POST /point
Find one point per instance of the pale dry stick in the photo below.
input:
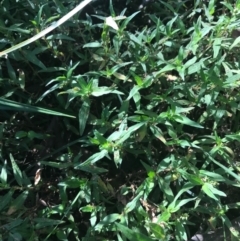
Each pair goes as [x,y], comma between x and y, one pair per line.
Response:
[47,30]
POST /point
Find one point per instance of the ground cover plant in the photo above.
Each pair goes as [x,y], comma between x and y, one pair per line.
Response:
[120,124]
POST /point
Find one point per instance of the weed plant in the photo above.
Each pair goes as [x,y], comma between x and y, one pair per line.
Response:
[120,124]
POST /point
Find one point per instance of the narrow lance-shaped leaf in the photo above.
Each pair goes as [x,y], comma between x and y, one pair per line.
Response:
[126,134]
[235,43]
[185,188]
[99,91]
[6,104]
[13,224]
[5,200]
[11,71]
[3,175]
[208,191]
[186,121]
[181,232]
[226,169]
[83,115]
[141,133]
[16,171]
[107,220]
[157,133]
[21,78]
[131,205]
[111,22]
[45,222]
[94,158]
[18,203]
[131,235]
[157,230]
[211,191]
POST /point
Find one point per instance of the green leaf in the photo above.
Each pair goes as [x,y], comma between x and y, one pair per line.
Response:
[137,79]
[157,132]
[133,91]
[216,47]
[164,185]
[83,115]
[60,36]
[131,235]
[141,133]
[111,22]
[181,232]
[12,224]
[235,43]
[147,167]
[99,91]
[101,140]
[92,45]
[176,205]
[166,215]
[117,157]
[107,220]
[118,66]
[226,169]
[234,231]
[131,205]
[91,169]
[73,182]
[6,104]
[17,204]
[16,171]
[190,62]
[183,110]
[32,135]
[127,133]
[6,199]
[88,208]
[31,57]
[3,175]
[211,191]
[186,121]
[71,69]
[21,79]
[94,158]
[15,28]
[215,176]
[193,178]
[57,164]
[11,71]
[127,20]
[165,69]
[187,186]
[46,222]
[157,230]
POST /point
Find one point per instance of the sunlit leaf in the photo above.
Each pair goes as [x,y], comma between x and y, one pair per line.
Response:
[186,121]
[4,174]
[111,22]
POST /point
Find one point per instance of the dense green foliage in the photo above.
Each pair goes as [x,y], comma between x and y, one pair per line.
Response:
[121,128]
